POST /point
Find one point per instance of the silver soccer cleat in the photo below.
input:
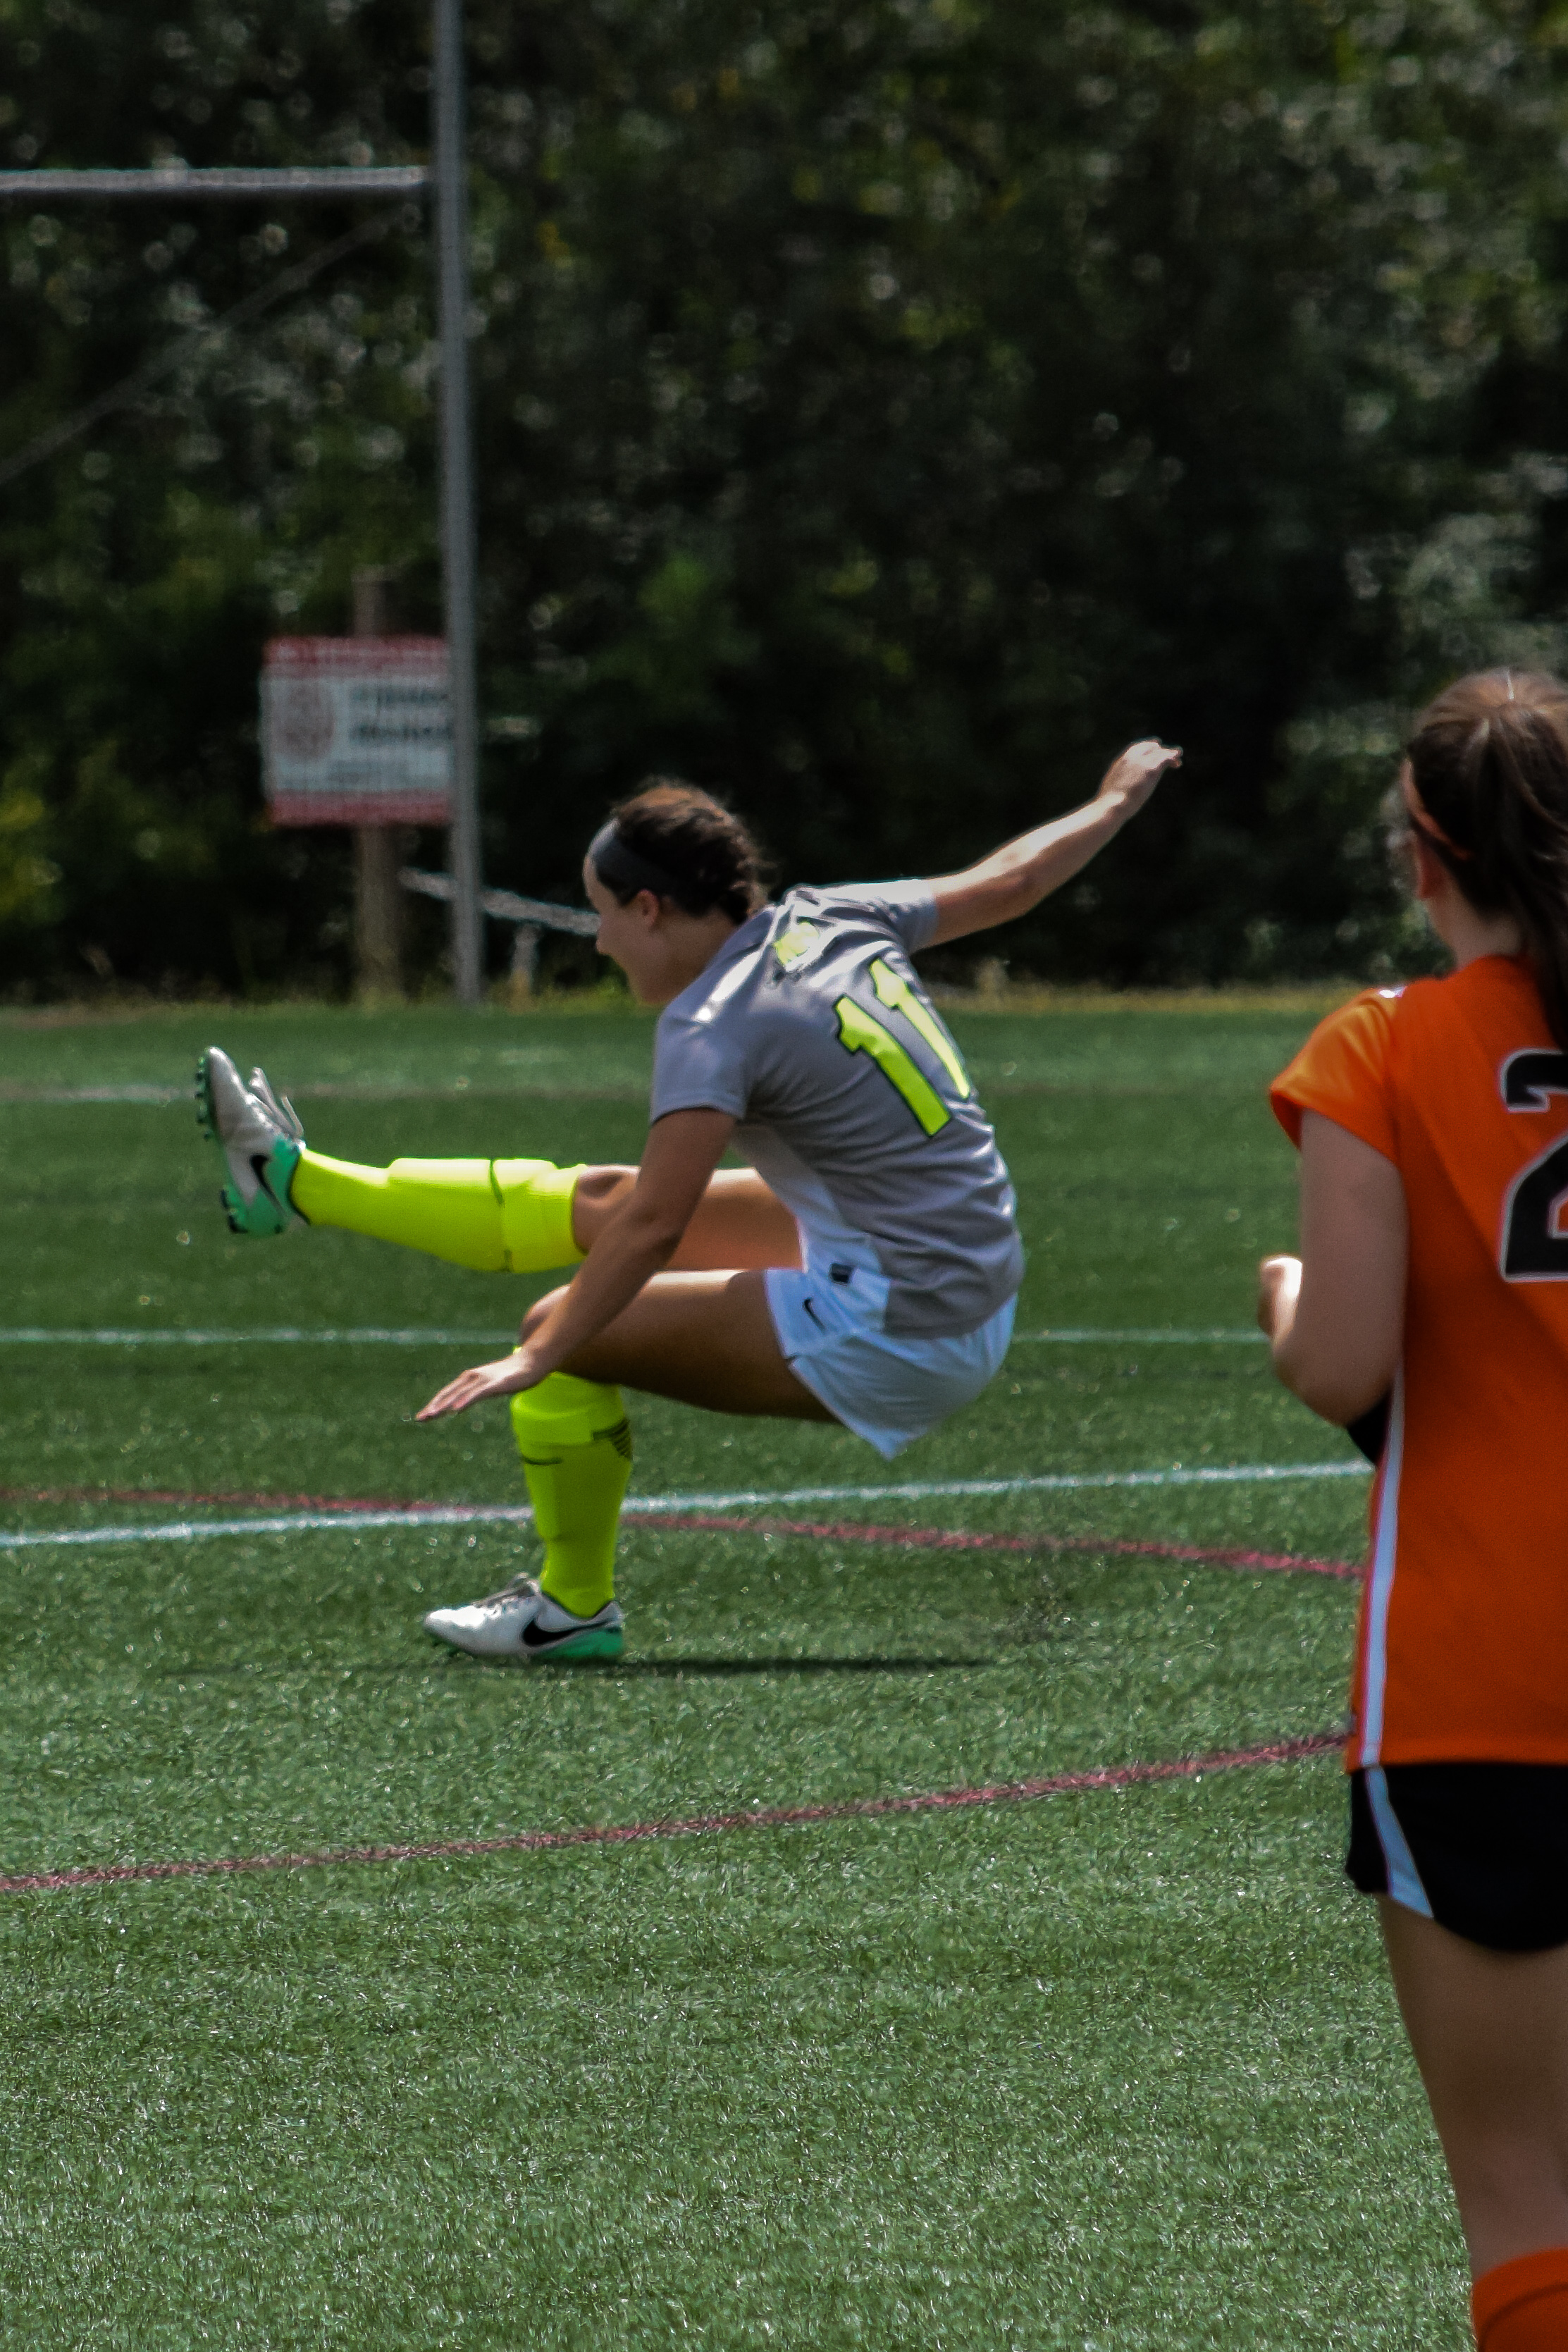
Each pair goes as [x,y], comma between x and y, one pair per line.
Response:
[525,1625]
[261,1140]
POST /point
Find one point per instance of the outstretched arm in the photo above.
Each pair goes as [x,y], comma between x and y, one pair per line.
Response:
[1019,875]
[638,1240]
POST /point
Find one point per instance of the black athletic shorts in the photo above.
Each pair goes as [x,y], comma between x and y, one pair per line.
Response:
[1481,1848]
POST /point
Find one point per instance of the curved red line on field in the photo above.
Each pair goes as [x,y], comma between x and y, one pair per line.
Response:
[770,1817]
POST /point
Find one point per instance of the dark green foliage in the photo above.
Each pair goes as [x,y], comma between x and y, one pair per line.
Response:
[884,412]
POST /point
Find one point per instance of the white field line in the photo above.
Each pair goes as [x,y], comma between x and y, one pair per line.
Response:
[284,1336]
[498,1084]
[468,1515]
[420,1336]
[130,1090]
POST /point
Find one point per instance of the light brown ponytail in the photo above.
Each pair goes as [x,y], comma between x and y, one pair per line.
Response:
[1489,760]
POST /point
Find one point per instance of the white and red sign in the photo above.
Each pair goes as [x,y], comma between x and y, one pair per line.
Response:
[355,730]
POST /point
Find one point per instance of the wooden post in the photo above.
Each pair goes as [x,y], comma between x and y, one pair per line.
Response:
[524,966]
[378,896]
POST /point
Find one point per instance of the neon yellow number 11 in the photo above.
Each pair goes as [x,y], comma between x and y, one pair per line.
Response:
[899,997]
[860,1031]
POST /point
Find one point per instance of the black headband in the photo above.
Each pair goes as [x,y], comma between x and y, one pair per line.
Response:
[620,868]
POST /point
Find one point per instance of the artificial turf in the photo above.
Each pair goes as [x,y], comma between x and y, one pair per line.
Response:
[1112,2070]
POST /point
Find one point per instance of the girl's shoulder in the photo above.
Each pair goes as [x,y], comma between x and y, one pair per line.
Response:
[1342,1071]
[1442,1038]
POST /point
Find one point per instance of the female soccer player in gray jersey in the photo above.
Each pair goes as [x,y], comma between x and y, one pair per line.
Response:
[862,1271]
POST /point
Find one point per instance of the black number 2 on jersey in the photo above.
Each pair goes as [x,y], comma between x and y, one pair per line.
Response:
[1532,1248]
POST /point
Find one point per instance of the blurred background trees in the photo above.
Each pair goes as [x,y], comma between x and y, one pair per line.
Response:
[885,409]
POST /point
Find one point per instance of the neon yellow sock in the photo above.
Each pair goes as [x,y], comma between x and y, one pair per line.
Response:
[496,1216]
[576,1445]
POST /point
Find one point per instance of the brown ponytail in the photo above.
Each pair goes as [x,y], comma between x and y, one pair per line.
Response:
[681,844]
[1489,760]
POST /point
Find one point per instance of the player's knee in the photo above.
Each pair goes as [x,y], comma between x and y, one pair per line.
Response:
[538,1312]
[602,1185]
[597,1193]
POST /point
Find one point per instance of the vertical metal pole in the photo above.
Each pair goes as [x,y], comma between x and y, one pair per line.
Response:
[457,534]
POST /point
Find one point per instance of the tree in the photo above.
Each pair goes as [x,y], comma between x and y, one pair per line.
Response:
[882,413]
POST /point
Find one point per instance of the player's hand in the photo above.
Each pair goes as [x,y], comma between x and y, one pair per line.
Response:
[517,1371]
[1279,1287]
[1129,780]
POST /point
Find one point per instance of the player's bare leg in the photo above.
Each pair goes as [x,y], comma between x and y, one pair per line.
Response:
[1489,2030]
[496,1216]
[704,1339]
[738,1223]
[699,1338]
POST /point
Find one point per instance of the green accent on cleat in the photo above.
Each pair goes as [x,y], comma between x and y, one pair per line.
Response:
[600,1642]
[267,1210]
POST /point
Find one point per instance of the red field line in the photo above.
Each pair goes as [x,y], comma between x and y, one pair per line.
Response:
[771,1817]
[945,1540]
[833,1531]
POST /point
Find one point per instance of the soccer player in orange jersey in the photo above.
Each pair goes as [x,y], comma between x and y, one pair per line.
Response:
[1433,1126]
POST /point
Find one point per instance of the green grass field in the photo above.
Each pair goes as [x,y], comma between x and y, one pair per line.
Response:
[1102,2071]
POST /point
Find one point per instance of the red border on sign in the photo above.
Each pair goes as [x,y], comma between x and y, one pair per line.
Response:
[360,808]
[352,657]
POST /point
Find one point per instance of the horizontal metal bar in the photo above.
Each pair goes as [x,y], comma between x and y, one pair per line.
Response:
[225,179]
[505,905]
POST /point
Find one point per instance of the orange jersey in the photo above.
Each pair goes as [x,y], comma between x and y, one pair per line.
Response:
[1463,1655]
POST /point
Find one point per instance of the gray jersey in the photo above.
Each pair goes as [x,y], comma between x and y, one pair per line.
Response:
[810,1028]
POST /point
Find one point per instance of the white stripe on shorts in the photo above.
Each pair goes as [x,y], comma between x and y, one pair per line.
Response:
[1404,1878]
